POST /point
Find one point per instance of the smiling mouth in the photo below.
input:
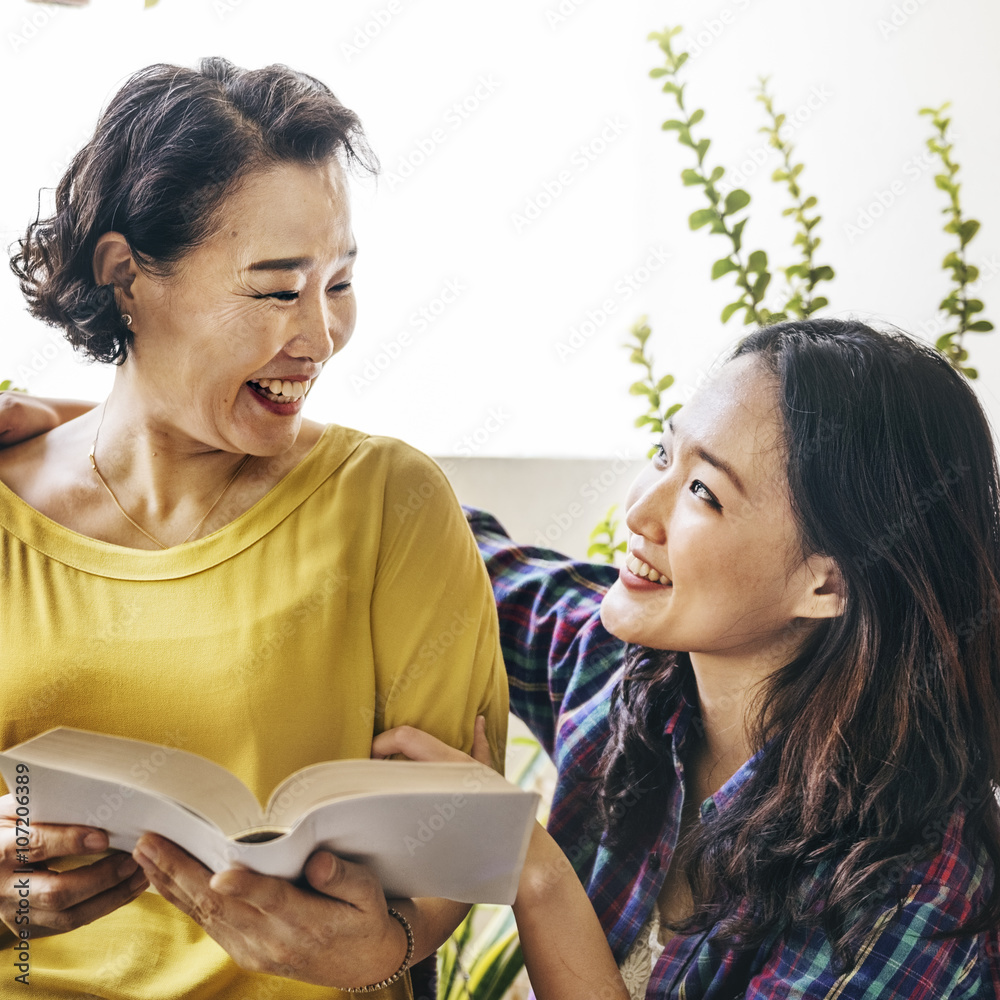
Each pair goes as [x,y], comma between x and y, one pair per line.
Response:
[645,571]
[280,391]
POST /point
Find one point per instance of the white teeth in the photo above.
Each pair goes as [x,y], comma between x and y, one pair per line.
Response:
[282,389]
[644,570]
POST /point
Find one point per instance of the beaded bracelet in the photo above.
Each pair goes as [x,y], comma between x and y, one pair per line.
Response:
[400,972]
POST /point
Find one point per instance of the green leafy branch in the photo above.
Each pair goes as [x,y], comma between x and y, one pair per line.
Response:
[751,275]
[956,304]
[804,276]
[649,385]
[602,539]
[7,384]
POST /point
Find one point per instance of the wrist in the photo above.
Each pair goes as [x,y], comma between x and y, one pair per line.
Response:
[404,959]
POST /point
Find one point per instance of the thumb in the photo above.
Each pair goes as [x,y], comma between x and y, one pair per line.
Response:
[481,745]
[340,879]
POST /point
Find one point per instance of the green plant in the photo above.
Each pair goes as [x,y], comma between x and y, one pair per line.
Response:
[956,305]
[649,385]
[804,276]
[602,539]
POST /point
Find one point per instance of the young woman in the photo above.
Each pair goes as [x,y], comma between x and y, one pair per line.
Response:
[783,783]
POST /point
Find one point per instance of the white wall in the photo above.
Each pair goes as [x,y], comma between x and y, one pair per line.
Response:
[485,378]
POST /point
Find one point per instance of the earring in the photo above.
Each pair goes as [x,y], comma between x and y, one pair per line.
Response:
[127,319]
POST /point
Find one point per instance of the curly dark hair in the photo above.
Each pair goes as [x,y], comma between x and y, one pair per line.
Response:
[165,154]
[887,722]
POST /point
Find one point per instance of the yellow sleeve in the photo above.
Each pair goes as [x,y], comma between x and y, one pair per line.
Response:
[434,622]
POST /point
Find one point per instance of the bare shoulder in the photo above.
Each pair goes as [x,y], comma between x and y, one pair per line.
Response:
[48,466]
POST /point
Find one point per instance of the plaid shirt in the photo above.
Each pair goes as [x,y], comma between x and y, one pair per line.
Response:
[562,666]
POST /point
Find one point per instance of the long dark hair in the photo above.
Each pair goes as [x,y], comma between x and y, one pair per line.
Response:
[170,147]
[888,721]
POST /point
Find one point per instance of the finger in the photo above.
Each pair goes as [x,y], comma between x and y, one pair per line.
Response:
[346,881]
[50,841]
[56,891]
[172,871]
[481,744]
[90,908]
[414,744]
[262,892]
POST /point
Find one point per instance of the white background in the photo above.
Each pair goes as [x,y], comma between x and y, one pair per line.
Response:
[486,377]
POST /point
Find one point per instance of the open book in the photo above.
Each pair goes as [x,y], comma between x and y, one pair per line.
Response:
[458,831]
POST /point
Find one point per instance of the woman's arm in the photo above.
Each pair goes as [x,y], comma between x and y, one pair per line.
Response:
[565,952]
[557,652]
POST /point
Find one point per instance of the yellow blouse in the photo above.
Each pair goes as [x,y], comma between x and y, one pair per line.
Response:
[349,600]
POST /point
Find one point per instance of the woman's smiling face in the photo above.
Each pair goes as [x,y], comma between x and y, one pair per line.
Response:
[711,519]
[226,347]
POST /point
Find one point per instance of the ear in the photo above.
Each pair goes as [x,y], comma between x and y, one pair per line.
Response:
[114,264]
[824,593]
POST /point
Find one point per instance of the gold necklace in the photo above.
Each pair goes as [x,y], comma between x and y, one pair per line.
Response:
[125,514]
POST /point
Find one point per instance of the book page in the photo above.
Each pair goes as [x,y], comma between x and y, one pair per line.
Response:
[318,783]
[200,785]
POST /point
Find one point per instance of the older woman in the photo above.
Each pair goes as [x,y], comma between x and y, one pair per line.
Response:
[193,563]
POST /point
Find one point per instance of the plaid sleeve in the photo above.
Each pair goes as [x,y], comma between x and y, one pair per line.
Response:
[557,652]
[897,960]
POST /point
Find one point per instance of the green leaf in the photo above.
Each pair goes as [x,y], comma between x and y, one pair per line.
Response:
[690,177]
[760,285]
[822,273]
[643,420]
[980,326]
[673,409]
[818,303]
[967,230]
[757,262]
[674,124]
[702,148]
[639,389]
[681,59]
[723,266]
[973,306]
[657,72]
[736,200]
[943,181]
[696,116]
[702,217]
[636,357]
[717,174]
[727,313]
[797,169]
[665,383]
[738,234]
[5,384]
[944,341]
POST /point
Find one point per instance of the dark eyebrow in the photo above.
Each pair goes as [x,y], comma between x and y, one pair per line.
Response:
[292,263]
[715,462]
